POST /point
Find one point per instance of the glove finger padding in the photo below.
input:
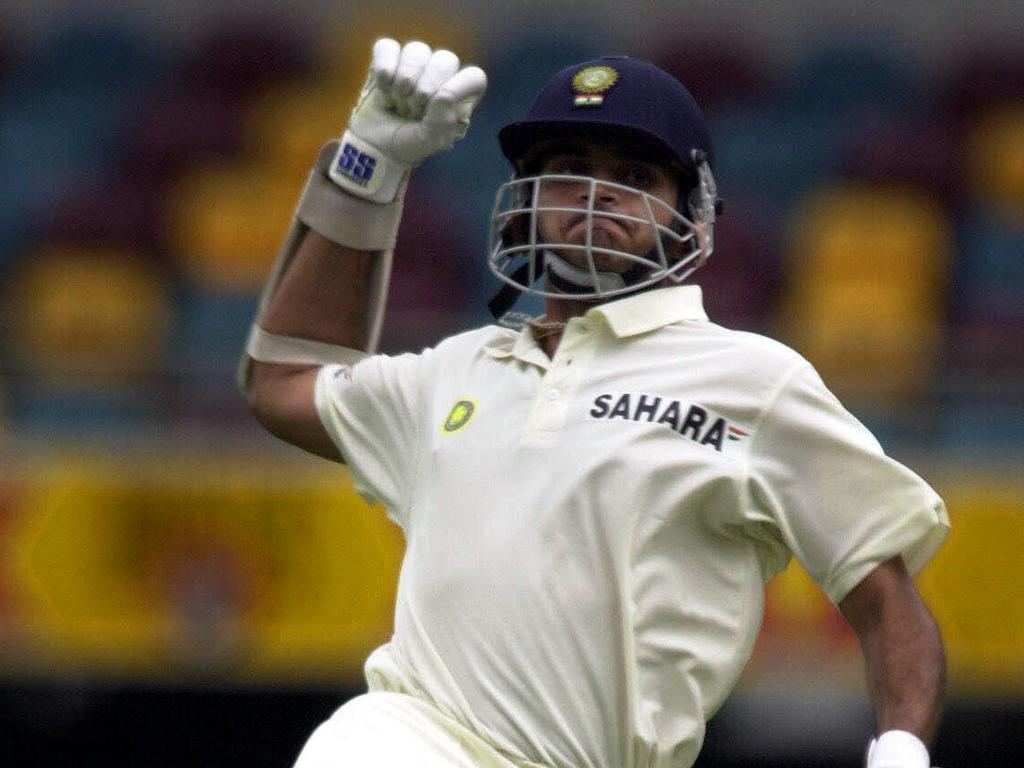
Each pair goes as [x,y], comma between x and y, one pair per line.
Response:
[442,66]
[450,108]
[416,102]
[384,64]
[411,63]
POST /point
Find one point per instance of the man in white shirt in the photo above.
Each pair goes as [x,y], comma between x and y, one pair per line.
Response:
[592,503]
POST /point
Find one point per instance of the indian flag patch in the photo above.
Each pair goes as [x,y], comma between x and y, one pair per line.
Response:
[590,83]
[589,100]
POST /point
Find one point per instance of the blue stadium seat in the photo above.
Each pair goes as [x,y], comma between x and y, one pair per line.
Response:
[38,408]
[853,76]
[773,151]
[60,114]
[89,55]
[990,270]
[979,426]
[210,332]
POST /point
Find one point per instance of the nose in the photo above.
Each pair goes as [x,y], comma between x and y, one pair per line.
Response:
[603,194]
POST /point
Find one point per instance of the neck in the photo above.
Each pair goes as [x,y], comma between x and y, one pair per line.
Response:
[560,311]
[563,310]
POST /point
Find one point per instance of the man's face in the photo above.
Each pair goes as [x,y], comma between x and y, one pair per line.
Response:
[608,162]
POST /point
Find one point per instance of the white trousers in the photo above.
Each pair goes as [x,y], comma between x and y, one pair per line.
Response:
[385,729]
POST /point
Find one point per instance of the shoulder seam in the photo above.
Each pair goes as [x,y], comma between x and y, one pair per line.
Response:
[770,401]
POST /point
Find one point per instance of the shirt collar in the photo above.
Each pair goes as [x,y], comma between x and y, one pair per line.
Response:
[650,310]
[629,316]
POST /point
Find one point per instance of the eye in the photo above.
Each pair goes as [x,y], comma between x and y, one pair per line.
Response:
[568,165]
[639,175]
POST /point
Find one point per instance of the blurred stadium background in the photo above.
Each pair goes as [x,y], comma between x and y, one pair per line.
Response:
[176,588]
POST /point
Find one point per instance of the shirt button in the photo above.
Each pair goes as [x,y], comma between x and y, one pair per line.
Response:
[553,394]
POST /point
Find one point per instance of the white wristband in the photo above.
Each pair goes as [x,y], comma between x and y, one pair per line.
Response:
[897,749]
[364,171]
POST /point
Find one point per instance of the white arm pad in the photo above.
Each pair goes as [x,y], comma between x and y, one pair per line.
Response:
[344,219]
[897,749]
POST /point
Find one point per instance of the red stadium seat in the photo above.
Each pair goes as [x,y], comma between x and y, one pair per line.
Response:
[716,73]
[104,209]
[429,292]
[988,77]
[169,131]
[923,152]
[742,280]
[239,59]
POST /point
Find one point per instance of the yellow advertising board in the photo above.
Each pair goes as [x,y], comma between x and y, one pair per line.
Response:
[162,566]
[275,571]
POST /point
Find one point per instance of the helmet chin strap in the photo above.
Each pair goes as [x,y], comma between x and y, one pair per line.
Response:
[569,279]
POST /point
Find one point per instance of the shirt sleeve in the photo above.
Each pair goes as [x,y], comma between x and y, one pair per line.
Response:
[370,412]
[833,497]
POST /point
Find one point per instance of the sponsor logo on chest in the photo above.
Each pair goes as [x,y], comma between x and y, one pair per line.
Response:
[692,421]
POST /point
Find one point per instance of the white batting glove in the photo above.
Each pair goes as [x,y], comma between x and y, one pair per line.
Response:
[415,103]
[897,749]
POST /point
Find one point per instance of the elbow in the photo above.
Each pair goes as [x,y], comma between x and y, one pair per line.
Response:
[273,396]
[259,394]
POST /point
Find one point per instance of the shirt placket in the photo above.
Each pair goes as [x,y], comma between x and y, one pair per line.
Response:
[560,383]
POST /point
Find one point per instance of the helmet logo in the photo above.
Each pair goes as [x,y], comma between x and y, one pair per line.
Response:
[590,84]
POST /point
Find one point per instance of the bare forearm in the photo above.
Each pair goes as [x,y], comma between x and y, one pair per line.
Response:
[907,672]
[324,294]
[902,647]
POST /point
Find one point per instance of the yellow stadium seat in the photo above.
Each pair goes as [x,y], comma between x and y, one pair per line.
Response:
[83,314]
[287,125]
[865,301]
[226,221]
[346,44]
[996,158]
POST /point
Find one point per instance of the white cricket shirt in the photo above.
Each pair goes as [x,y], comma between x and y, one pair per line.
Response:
[588,537]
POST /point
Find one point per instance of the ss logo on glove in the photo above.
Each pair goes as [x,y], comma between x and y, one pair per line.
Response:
[357,166]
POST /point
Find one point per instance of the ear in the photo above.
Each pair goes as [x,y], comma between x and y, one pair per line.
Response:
[678,250]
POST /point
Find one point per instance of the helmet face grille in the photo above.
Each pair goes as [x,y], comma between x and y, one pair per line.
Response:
[516,241]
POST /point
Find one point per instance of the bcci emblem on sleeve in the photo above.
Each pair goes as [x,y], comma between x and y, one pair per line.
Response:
[459,416]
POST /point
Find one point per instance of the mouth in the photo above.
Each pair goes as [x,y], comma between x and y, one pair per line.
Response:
[601,224]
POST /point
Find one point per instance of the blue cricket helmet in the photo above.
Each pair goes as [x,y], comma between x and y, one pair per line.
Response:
[618,97]
[630,102]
